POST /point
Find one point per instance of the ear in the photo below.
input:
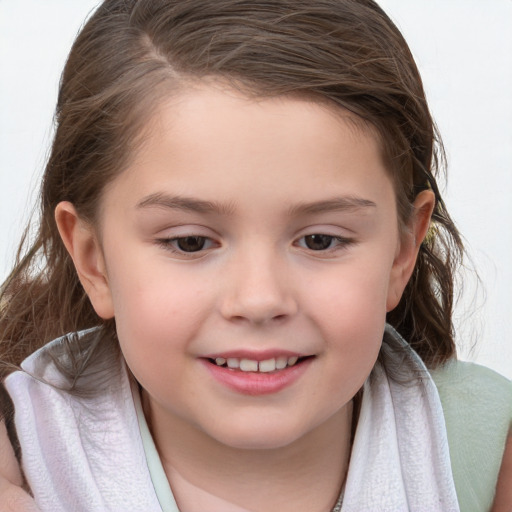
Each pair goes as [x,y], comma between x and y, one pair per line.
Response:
[410,244]
[83,246]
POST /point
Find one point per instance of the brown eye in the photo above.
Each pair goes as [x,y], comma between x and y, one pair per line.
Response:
[318,242]
[191,243]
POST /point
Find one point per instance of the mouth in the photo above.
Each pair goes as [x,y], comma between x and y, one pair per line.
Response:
[257,373]
[270,365]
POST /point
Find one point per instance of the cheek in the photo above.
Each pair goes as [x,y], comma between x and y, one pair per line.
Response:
[156,312]
[353,297]
[150,293]
[155,332]
[349,310]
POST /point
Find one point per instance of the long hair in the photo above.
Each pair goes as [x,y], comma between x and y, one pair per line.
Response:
[131,54]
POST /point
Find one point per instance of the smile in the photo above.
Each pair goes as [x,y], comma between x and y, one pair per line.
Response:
[252,365]
[262,376]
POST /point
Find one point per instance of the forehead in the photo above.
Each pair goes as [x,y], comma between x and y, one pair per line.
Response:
[222,144]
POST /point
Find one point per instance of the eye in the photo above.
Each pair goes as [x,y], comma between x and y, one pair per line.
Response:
[318,242]
[190,243]
[322,242]
[187,244]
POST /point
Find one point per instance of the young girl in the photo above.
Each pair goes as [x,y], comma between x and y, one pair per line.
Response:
[247,270]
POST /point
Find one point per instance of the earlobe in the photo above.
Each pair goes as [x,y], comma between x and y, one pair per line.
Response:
[410,244]
[82,244]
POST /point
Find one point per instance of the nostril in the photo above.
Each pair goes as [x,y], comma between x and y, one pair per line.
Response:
[257,306]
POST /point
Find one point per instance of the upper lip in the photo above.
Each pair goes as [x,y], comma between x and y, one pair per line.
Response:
[262,355]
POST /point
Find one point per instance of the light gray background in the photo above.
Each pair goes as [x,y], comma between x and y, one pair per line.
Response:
[464,51]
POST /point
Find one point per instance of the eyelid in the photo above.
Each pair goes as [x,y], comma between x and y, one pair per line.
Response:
[340,239]
[184,230]
[168,242]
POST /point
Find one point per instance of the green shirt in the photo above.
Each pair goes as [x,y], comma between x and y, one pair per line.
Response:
[477,405]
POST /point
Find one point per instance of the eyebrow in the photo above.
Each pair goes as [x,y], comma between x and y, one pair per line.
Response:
[160,200]
[344,204]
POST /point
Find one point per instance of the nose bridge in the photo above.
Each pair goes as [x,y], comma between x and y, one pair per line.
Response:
[258,288]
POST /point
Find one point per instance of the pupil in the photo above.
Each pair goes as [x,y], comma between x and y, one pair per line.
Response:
[318,242]
[191,243]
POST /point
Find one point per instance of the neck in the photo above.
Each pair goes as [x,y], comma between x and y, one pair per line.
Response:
[207,475]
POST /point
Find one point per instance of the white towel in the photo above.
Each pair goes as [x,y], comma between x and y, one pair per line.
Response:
[80,454]
[86,454]
[400,460]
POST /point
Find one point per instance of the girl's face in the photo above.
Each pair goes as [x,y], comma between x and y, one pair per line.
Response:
[262,235]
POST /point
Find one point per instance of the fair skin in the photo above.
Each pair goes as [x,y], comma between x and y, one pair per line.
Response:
[250,230]
[253,190]
[12,496]
[503,498]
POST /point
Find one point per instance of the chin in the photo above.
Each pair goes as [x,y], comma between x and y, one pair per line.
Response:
[259,442]
[259,435]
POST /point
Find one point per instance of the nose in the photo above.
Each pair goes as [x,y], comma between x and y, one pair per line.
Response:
[258,289]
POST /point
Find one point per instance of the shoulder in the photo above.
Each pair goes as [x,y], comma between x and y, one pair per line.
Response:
[477,402]
[465,377]
[477,405]
[477,395]
[65,430]
[10,469]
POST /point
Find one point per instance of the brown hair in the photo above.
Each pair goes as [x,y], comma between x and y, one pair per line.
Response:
[133,52]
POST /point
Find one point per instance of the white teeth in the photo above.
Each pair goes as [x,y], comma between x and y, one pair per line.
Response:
[292,360]
[251,365]
[248,365]
[281,362]
[233,362]
[269,365]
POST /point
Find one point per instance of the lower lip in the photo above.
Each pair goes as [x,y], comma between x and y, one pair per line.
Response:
[257,383]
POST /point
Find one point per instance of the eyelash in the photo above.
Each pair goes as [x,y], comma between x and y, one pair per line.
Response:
[335,243]
[171,244]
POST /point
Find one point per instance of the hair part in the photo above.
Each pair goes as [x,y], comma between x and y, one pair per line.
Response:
[131,54]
